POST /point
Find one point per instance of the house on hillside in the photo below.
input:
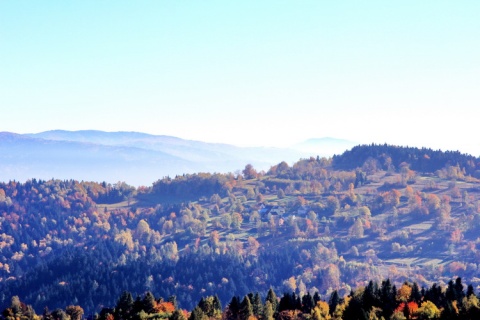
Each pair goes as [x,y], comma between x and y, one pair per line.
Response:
[267,211]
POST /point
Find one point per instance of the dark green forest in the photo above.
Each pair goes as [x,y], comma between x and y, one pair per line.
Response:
[373,301]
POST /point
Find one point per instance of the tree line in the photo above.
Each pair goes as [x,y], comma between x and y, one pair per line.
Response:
[373,301]
[419,159]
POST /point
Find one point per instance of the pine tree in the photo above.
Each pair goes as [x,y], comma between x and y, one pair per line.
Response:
[233,309]
[459,293]
[333,302]
[257,305]
[268,313]
[246,309]
[368,297]
[148,303]
[197,314]
[470,291]
[354,310]
[307,303]
[451,293]
[416,295]
[388,297]
[217,305]
[272,298]
[124,307]
[286,303]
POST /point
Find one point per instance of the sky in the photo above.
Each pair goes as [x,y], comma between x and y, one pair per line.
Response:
[249,73]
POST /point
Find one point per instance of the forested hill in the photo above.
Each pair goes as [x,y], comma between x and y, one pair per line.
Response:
[392,157]
[302,227]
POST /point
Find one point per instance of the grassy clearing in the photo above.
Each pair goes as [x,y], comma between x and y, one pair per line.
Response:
[119,205]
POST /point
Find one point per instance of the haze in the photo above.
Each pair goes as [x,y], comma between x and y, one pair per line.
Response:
[249,73]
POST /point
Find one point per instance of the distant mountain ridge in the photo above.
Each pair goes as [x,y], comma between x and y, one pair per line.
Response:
[134,157]
[24,157]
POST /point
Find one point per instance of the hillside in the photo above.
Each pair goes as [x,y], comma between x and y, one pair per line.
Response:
[313,226]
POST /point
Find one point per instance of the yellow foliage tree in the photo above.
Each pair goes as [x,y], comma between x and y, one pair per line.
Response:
[428,310]
[321,311]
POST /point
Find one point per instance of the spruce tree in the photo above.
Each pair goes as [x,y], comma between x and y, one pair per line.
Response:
[124,307]
[416,295]
[333,302]
[307,303]
[246,309]
[217,305]
[197,314]
[268,313]
[470,291]
[257,305]
[148,303]
[272,298]
[233,308]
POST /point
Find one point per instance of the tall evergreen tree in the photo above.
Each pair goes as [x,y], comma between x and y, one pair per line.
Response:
[233,309]
[287,302]
[459,293]
[307,303]
[388,297]
[416,295]
[451,293]
[368,297]
[197,314]
[272,298]
[148,303]
[257,305]
[268,312]
[217,305]
[246,308]
[333,301]
[124,307]
[470,291]
[354,309]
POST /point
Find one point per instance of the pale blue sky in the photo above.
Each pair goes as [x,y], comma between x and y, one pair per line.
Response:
[245,72]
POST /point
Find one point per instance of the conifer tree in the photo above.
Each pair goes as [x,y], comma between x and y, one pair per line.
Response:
[416,295]
[369,299]
[272,298]
[148,303]
[257,305]
[197,314]
[217,305]
[233,308]
[307,303]
[268,313]
[246,309]
[124,307]
[333,301]
[470,291]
